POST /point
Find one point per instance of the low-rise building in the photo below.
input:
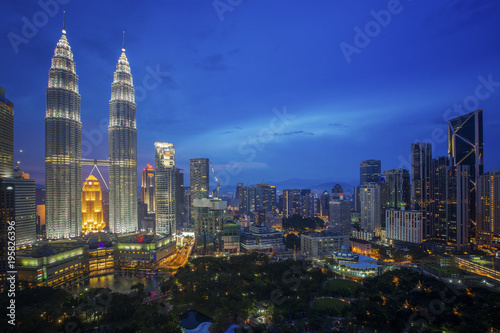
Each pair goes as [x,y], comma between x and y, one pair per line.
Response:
[262,238]
[231,237]
[53,264]
[142,252]
[360,246]
[321,244]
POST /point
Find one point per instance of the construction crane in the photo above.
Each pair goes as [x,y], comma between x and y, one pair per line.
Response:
[18,163]
[216,180]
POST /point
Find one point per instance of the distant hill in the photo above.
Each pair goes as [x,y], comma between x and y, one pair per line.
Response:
[315,185]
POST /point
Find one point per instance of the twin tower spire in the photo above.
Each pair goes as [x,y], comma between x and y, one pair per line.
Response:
[63,147]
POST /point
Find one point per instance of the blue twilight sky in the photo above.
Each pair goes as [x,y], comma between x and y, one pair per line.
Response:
[268,90]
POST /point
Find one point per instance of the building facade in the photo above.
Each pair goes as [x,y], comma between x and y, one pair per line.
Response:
[321,244]
[370,215]
[208,224]
[122,151]
[92,212]
[465,150]
[488,209]
[340,216]
[25,210]
[370,171]
[148,188]
[404,226]
[165,195]
[63,147]
[6,136]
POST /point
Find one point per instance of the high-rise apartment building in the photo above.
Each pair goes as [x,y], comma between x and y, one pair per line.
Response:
[262,197]
[165,189]
[421,186]
[340,216]
[438,223]
[6,136]
[63,147]
[404,226]
[370,216]
[370,171]
[199,178]
[242,198]
[395,189]
[180,209]
[25,210]
[92,212]
[306,208]
[458,186]
[488,208]
[208,224]
[148,188]
[291,202]
[122,151]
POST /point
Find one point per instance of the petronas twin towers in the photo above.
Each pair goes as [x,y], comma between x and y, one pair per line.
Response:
[63,148]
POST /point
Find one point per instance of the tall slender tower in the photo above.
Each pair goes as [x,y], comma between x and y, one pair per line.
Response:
[63,147]
[421,186]
[122,151]
[165,195]
[148,188]
[6,136]
[465,150]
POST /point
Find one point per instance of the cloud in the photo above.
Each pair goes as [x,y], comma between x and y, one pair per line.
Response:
[212,63]
[295,133]
[226,132]
[337,125]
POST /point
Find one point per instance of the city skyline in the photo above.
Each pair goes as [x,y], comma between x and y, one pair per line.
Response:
[224,81]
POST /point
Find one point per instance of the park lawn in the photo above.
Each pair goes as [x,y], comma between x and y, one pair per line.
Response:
[330,307]
[340,287]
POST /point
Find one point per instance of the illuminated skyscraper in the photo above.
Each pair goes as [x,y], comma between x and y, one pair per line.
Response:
[465,150]
[421,187]
[148,188]
[370,171]
[199,181]
[7,214]
[291,202]
[92,213]
[395,189]
[488,207]
[165,193]
[370,216]
[63,147]
[6,136]
[122,151]
[439,232]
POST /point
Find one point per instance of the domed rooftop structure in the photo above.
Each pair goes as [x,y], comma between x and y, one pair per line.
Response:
[99,240]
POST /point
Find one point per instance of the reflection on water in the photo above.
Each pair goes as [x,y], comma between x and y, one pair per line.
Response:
[119,283]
